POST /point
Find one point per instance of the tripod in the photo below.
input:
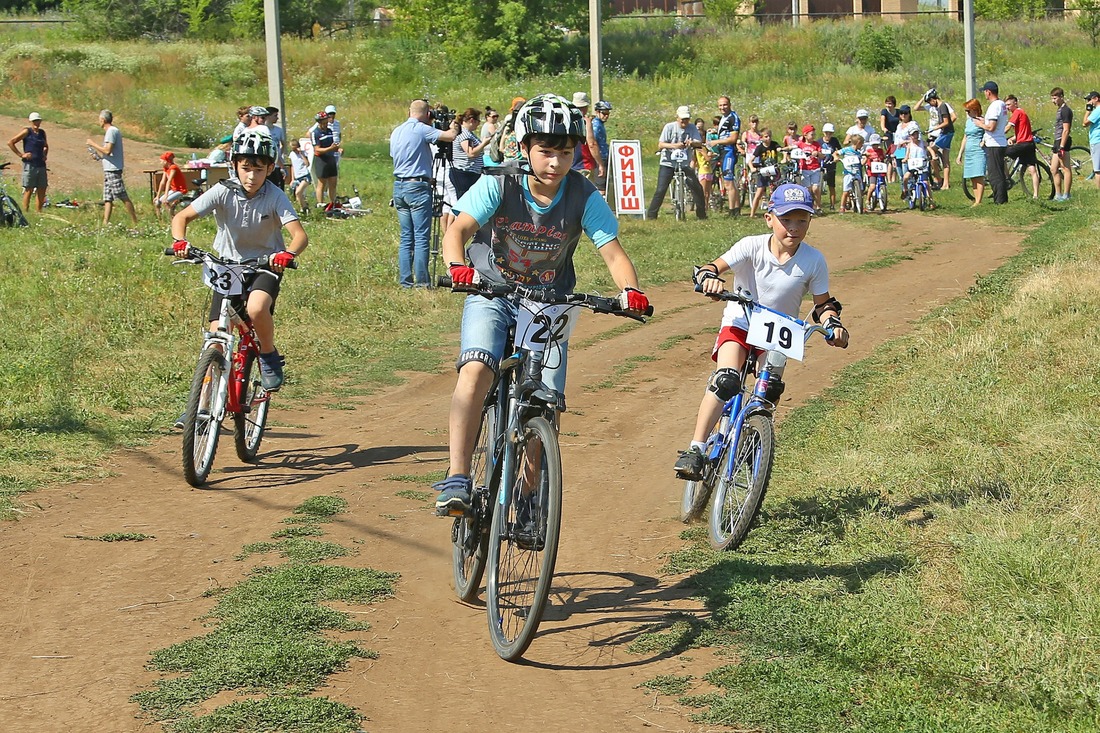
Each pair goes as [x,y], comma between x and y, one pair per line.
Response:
[440,176]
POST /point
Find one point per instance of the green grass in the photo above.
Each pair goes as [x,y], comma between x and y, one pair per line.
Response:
[114,537]
[272,642]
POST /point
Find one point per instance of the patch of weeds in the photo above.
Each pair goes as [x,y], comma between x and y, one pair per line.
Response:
[304,530]
[390,517]
[669,684]
[605,336]
[881,260]
[342,406]
[620,372]
[296,550]
[114,537]
[319,509]
[296,713]
[418,478]
[678,632]
[673,340]
[414,494]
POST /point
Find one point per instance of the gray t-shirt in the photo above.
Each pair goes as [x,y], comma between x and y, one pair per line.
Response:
[112,162]
[673,133]
[247,227]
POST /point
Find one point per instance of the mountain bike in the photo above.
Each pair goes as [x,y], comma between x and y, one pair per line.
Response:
[1017,175]
[680,194]
[879,194]
[10,213]
[853,166]
[222,385]
[1078,158]
[920,187]
[741,449]
[512,528]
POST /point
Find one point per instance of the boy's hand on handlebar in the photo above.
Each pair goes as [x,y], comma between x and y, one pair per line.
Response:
[840,334]
[711,285]
[634,300]
[281,260]
[461,274]
[180,248]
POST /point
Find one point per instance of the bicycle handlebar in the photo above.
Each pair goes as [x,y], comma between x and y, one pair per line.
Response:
[745,299]
[595,303]
[194,254]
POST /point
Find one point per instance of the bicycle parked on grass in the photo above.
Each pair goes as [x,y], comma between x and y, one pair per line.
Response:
[879,194]
[741,449]
[1017,175]
[512,529]
[227,376]
[10,213]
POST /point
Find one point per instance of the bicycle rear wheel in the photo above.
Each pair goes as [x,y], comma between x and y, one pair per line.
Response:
[739,491]
[470,533]
[249,423]
[523,541]
[1080,159]
[202,420]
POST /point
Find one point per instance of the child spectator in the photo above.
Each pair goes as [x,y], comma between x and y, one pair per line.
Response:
[809,163]
[299,166]
[543,215]
[829,145]
[173,186]
[779,269]
[704,160]
[764,164]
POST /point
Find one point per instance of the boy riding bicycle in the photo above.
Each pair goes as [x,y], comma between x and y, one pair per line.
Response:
[534,220]
[851,159]
[250,213]
[778,269]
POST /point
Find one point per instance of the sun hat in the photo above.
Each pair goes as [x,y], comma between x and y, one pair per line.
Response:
[580,99]
[990,86]
[167,156]
[257,111]
[912,129]
[875,139]
[807,129]
[683,112]
[34,117]
[828,127]
[862,113]
[330,110]
[791,197]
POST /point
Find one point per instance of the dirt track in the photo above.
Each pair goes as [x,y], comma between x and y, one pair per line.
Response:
[78,636]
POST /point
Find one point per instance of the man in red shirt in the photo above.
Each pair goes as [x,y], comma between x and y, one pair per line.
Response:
[1023,141]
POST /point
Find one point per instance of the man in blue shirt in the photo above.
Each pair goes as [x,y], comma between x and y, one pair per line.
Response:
[410,148]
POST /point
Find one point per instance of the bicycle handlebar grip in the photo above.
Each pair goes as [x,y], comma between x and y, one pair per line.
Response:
[169,252]
[444,281]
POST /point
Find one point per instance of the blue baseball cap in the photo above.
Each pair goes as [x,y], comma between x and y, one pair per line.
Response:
[791,197]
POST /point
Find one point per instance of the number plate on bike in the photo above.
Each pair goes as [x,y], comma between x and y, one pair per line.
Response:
[223,279]
[851,162]
[878,167]
[538,326]
[798,154]
[774,331]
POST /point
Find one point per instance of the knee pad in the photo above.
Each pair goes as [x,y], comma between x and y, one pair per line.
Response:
[725,383]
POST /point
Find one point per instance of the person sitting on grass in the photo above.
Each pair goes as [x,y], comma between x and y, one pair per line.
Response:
[535,223]
[251,213]
[778,269]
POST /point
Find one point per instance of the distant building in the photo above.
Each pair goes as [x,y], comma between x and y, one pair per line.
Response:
[780,10]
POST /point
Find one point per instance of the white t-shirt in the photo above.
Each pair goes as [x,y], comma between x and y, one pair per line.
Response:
[780,287]
[300,164]
[247,227]
[996,138]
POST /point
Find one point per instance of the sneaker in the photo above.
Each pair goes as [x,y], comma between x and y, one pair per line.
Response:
[526,530]
[690,465]
[455,495]
[271,371]
[178,424]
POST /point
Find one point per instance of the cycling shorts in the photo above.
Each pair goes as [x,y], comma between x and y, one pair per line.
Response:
[1023,152]
[729,162]
[729,334]
[263,281]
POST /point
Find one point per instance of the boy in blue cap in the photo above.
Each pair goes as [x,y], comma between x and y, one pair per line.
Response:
[777,269]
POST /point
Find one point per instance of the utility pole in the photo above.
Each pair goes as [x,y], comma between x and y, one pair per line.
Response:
[968,43]
[595,49]
[272,33]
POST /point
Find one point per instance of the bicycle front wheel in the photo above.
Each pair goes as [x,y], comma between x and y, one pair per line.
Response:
[677,199]
[523,542]
[470,533]
[857,196]
[249,423]
[202,420]
[739,488]
[1080,159]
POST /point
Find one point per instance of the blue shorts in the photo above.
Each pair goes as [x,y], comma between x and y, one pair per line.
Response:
[729,162]
[485,327]
[943,142]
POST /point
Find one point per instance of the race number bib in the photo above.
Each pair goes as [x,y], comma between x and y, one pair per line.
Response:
[878,167]
[774,331]
[798,154]
[851,162]
[223,279]
[540,326]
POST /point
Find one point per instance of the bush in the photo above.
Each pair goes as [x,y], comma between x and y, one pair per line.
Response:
[878,48]
[1009,9]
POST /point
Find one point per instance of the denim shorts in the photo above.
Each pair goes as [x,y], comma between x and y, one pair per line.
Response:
[485,327]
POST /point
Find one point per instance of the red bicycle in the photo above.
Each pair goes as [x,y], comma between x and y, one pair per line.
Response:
[224,386]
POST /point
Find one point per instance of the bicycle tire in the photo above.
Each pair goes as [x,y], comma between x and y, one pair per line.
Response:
[10,213]
[737,497]
[677,199]
[202,420]
[249,424]
[514,599]
[883,197]
[922,196]
[470,533]
[857,195]
[1081,162]
[966,189]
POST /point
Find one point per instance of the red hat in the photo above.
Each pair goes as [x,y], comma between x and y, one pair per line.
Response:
[167,156]
[807,129]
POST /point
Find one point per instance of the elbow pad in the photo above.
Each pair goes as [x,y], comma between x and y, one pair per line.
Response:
[830,304]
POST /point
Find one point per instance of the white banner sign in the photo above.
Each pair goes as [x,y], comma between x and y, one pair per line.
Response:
[626,176]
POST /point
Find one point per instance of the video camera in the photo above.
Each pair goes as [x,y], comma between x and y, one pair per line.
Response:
[441,116]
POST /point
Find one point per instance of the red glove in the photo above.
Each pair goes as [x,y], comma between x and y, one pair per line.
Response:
[282,259]
[632,299]
[180,247]
[461,274]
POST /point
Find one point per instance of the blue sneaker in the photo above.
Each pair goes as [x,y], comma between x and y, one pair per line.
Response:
[455,495]
[527,531]
[271,371]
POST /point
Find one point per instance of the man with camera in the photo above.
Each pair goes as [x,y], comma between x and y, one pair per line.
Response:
[410,148]
[1092,124]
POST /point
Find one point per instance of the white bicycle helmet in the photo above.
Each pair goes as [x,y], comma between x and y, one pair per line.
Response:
[549,114]
[253,143]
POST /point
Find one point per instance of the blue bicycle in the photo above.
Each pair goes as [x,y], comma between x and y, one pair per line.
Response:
[741,449]
[919,194]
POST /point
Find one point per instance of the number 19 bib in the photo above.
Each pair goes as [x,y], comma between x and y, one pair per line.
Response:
[775,331]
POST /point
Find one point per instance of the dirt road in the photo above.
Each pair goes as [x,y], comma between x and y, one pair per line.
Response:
[80,618]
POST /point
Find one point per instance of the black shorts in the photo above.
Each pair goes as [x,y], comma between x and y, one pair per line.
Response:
[263,281]
[828,174]
[1023,152]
